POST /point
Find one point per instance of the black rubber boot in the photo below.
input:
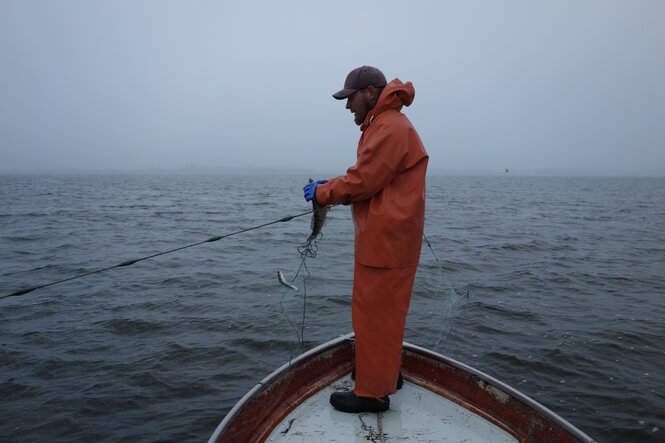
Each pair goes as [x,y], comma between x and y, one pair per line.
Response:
[347,401]
[400,379]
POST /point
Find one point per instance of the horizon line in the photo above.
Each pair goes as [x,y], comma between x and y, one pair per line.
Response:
[255,170]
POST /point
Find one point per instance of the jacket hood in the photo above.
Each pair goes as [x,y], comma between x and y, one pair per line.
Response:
[395,95]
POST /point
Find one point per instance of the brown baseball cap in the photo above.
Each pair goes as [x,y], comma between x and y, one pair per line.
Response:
[361,78]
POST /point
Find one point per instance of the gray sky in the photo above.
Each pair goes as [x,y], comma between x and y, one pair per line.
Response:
[131,85]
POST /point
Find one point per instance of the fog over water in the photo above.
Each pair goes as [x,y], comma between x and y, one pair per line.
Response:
[538,88]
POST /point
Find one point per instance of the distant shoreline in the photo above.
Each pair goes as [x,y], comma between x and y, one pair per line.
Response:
[331,173]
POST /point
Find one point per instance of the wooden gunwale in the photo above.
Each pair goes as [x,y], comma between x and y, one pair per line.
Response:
[266,405]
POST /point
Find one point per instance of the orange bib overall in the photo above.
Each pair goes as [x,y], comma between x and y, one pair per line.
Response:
[387,189]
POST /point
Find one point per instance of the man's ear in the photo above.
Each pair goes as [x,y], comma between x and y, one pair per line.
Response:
[373,94]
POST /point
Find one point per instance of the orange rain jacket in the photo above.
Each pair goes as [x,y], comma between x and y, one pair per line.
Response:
[386,185]
[387,189]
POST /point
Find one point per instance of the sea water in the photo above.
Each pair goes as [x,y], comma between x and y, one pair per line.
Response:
[565,279]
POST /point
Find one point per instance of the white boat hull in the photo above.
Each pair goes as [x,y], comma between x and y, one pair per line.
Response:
[442,400]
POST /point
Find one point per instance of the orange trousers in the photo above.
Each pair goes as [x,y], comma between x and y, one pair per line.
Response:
[379,305]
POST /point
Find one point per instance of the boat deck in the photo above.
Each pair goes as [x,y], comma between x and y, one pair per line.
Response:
[442,400]
[415,415]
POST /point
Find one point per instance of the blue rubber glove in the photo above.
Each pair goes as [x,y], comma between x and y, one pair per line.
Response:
[310,190]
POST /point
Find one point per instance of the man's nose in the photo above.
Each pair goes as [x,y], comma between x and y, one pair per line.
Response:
[348,103]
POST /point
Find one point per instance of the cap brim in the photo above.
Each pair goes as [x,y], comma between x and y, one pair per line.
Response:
[344,93]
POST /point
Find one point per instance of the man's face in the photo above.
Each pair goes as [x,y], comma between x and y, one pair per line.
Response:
[359,104]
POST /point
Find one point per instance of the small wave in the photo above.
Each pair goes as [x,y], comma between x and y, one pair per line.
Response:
[27,270]
[19,238]
[130,327]
[12,389]
[531,246]
[502,311]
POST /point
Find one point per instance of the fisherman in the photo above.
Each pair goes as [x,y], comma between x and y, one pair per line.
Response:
[386,187]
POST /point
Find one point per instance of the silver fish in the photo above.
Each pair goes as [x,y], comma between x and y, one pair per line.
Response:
[282,280]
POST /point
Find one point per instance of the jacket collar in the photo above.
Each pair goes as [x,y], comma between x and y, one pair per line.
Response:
[394,96]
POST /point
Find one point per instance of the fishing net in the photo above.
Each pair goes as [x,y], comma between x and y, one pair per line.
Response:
[306,251]
[435,302]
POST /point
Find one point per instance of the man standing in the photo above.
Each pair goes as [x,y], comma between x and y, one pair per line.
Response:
[386,187]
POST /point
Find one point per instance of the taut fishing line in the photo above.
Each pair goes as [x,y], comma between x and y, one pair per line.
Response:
[131,262]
